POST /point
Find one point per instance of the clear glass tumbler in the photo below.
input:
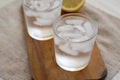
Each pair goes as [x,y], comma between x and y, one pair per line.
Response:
[40,15]
[74,37]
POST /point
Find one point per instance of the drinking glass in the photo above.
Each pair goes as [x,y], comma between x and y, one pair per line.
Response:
[40,15]
[74,38]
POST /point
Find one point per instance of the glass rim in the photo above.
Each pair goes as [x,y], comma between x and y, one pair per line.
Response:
[94,23]
[26,5]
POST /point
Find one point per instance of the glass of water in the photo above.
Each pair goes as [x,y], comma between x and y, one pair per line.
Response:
[40,15]
[74,37]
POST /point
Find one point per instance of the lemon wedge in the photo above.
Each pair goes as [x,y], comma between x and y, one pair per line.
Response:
[72,5]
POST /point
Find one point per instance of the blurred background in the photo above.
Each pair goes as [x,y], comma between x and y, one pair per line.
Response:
[109,6]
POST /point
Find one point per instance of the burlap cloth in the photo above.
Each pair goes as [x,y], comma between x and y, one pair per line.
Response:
[13,51]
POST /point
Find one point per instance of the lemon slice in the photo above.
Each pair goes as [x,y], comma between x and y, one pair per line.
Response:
[72,5]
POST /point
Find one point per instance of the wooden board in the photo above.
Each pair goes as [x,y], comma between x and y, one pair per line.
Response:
[43,66]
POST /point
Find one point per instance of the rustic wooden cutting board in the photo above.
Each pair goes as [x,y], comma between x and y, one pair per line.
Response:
[43,66]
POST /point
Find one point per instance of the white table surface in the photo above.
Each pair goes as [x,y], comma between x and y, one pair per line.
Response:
[109,6]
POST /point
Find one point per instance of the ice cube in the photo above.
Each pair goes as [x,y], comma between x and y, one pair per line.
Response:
[80,28]
[48,15]
[67,49]
[79,38]
[84,47]
[70,35]
[88,28]
[32,4]
[63,28]
[41,5]
[55,4]
[74,21]
[40,21]
[31,13]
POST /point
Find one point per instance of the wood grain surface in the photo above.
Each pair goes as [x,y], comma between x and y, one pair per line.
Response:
[43,66]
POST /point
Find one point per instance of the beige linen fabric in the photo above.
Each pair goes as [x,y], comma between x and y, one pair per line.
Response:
[13,51]
[108,39]
[109,6]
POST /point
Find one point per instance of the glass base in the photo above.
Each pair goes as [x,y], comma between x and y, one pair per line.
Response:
[42,38]
[72,69]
